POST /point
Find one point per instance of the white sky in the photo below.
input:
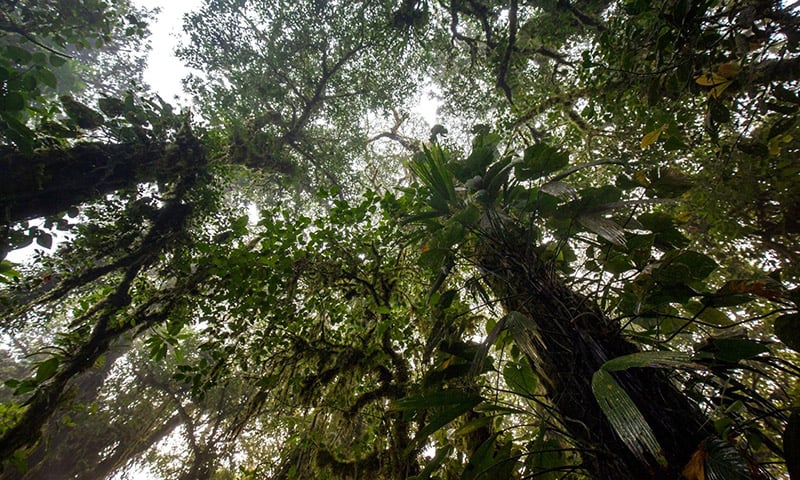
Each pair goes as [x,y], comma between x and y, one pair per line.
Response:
[164,71]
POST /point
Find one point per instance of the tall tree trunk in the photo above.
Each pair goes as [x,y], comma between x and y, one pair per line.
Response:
[129,449]
[566,341]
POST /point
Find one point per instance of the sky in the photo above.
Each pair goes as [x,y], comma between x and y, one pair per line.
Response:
[164,71]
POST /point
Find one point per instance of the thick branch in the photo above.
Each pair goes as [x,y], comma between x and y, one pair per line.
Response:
[51,181]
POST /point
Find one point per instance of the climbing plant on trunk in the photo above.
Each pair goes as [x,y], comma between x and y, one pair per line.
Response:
[494,212]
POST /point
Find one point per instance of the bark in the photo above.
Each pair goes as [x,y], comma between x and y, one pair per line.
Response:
[567,339]
[52,181]
[103,317]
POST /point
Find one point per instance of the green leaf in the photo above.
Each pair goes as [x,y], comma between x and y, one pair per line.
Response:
[452,233]
[604,227]
[473,425]
[25,386]
[429,167]
[733,349]
[670,294]
[18,54]
[648,359]
[434,258]
[724,462]
[481,459]
[24,142]
[469,216]
[12,102]
[491,460]
[40,58]
[791,445]
[544,459]
[476,163]
[47,77]
[726,300]
[446,299]
[625,418]
[447,415]
[709,314]
[540,160]
[598,196]
[618,263]
[46,369]
[787,329]
[435,399]
[57,60]
[700,266]
[684,267]
[520,379]
[7,271]
[663,226]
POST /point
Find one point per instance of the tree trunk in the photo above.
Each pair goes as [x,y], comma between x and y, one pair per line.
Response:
[102,319]
[566,341]
[52,181]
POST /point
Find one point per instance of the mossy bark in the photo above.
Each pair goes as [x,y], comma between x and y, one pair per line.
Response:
[51,181]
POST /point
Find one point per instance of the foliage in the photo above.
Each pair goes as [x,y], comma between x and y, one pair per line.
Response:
[44,48]
[290,82]
[589,273]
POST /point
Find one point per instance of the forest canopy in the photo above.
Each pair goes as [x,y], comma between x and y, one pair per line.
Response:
[587,269]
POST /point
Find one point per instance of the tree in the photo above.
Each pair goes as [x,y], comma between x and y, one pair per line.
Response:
[512,308]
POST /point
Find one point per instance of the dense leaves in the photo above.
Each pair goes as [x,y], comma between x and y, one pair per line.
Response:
[587,270]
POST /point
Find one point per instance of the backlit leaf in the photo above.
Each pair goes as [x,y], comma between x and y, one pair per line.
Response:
[605,227]
[729,70]
[653,136]
[520,379]
[696,468]
[717,90]
[46,369]
[710,79]
[648,359]
[540,160]
[625,418]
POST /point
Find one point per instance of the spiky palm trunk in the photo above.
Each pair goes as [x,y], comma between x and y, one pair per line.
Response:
[567,338]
